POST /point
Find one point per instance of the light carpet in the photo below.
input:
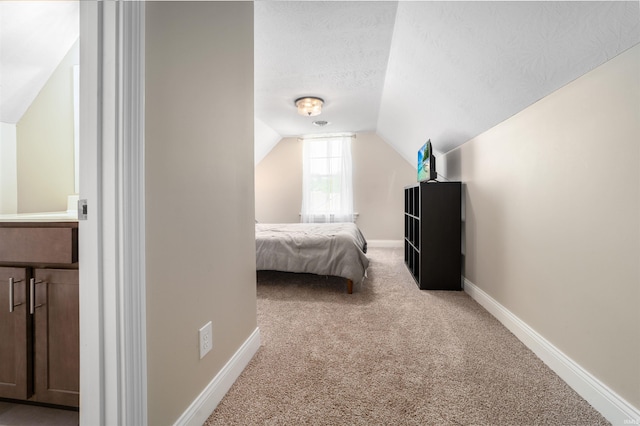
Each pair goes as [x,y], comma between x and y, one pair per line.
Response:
[389,354]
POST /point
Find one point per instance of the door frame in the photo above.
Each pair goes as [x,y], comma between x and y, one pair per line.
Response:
[112,267]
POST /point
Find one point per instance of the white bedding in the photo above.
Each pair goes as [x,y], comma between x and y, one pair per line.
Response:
[336,249]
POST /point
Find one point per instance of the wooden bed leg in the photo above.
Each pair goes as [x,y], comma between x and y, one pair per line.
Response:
[349,286]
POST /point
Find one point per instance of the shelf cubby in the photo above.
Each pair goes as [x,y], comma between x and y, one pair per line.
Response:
[432,234]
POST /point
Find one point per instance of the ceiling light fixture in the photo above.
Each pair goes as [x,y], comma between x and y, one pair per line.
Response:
[320,123]
[309,106]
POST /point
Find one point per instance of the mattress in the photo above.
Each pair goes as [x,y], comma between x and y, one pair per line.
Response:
[336,249]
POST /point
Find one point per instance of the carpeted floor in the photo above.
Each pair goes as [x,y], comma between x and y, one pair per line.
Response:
[389,354]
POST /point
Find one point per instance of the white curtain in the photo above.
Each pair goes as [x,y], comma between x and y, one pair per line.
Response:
[327,186]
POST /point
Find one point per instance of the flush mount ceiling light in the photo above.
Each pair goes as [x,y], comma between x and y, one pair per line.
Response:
[320,123]
[309,106]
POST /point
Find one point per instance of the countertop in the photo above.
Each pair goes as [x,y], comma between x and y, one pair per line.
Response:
[64,216]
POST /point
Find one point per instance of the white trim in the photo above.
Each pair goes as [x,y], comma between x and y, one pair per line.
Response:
[611,405]
[355,215]
[202,407]
[76,128]
[132,291]
[385,243]
[112,298]
[108,209]
[92,372]
[328,136]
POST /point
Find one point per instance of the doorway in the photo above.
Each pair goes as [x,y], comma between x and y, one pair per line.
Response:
[39,52]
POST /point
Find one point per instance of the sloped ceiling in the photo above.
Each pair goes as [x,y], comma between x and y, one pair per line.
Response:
[418,70]
[328,49]
[34,37]
[408,70]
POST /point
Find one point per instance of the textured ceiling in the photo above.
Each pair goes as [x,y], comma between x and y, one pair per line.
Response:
[34,37]
[457,69]
[409,71]
[416,70]
[335,50]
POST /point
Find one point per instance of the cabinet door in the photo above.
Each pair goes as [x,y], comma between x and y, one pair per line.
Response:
[441,227]
[56,337]
[15,338]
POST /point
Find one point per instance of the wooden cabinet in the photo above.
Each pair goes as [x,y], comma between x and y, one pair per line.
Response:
[39,332]
[16,365]
[432,234]
[56,336]
[38,244]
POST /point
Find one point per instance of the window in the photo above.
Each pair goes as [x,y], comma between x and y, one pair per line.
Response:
[327,189]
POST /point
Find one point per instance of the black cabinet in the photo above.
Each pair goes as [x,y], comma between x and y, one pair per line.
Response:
[432,234]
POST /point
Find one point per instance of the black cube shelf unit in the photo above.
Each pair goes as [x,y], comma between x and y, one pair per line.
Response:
[432,234]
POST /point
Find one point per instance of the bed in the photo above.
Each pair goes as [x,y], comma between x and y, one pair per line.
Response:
[336,249]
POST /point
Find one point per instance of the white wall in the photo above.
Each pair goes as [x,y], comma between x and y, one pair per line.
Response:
[8,174]
[379,176]
[45,143]
[552,219]
[200,247]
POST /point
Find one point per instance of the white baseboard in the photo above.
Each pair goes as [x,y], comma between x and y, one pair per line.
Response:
[202,407]
[384,243]
[613,407]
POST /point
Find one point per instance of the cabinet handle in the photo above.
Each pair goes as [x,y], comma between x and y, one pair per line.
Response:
[11,304]
[32,295]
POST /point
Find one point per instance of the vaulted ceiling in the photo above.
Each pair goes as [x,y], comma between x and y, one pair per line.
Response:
[34,37]
[409,70]
[417,70]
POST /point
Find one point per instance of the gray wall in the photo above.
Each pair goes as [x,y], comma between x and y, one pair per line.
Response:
[379,176]
[200,247]
[552,219]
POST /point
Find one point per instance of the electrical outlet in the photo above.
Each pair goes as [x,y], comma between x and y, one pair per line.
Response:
[206,339]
